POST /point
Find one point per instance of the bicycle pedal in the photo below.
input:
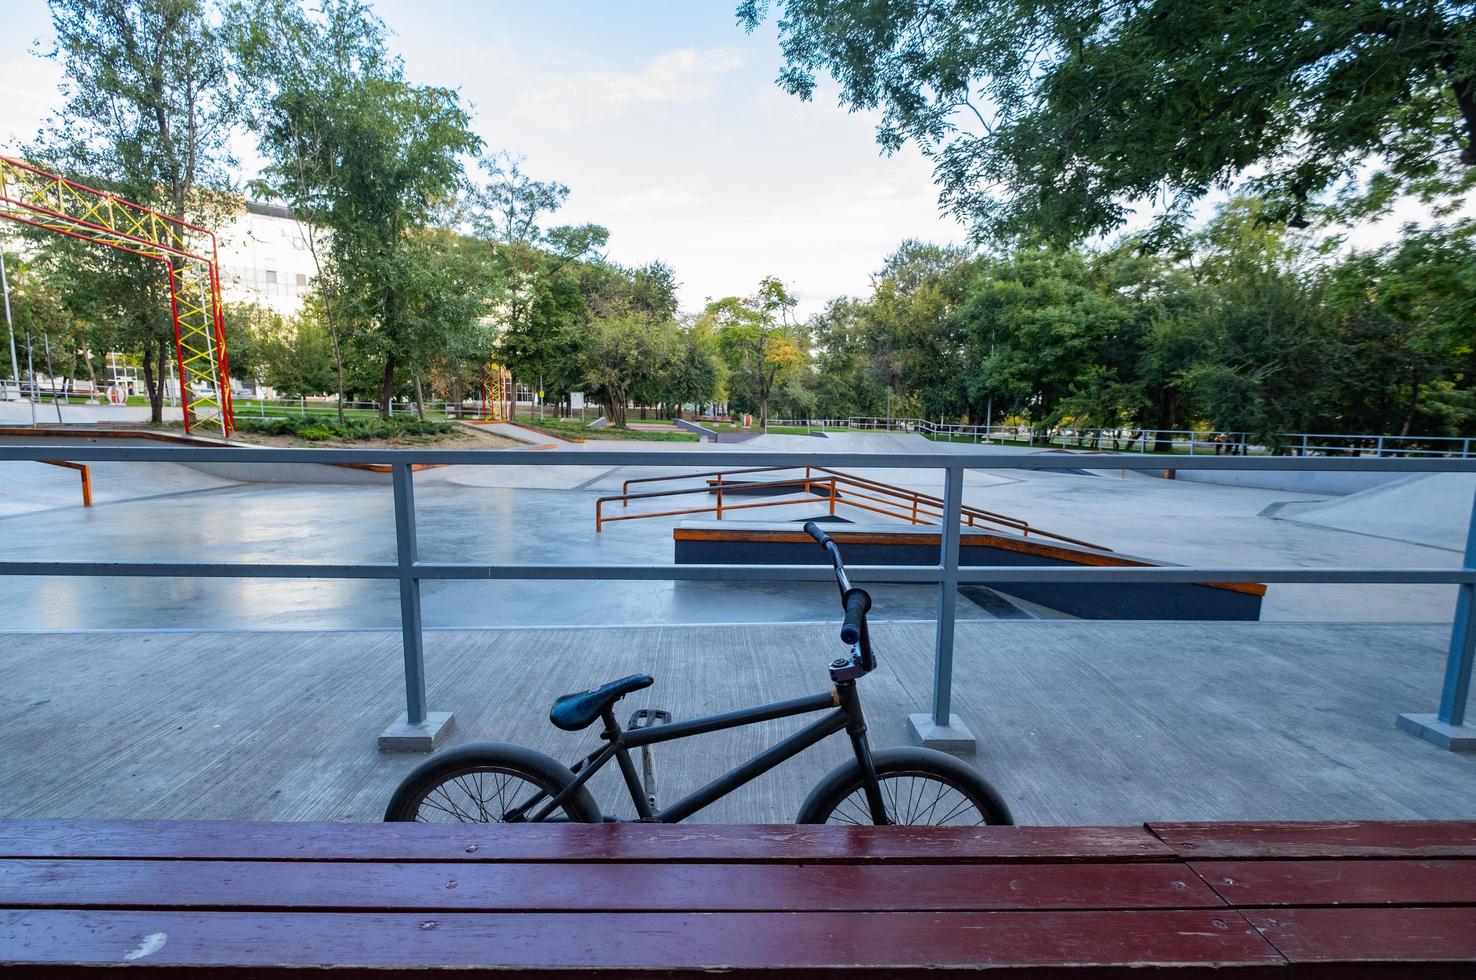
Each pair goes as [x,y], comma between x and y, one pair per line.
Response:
[648,718]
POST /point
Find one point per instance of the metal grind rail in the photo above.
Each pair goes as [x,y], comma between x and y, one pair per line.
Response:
[915,506]
[1445,727]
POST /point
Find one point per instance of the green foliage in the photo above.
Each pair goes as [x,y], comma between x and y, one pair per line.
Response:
[316,428]
[1247,330]
[1057,119]
[760,343]
[369,157]
[148,104]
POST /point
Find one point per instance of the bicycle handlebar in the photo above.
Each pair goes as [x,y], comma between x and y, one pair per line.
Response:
[855,602]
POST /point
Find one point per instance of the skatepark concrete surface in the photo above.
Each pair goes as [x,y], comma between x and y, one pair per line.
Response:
[1427,508]
[1079,723]
[28,487]
[545,513]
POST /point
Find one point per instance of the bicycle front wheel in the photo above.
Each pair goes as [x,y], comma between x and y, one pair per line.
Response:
[920,787]
[489,782]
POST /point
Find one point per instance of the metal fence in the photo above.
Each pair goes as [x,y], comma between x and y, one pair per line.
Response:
[1190,441]
[1445,727]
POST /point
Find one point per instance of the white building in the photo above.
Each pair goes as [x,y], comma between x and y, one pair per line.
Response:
[264,258]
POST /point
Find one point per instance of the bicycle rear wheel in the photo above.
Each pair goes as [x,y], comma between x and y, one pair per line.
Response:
[488,782]
[920,787]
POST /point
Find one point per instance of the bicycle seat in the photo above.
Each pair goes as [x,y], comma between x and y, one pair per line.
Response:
[575,711]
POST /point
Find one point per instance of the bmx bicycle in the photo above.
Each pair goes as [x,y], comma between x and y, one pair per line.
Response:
[496,782]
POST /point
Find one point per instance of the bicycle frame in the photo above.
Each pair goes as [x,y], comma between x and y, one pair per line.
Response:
[845,716]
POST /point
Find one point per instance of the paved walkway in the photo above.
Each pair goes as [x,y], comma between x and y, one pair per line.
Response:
[1080,723]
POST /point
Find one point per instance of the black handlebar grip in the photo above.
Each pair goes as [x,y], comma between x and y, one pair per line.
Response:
[857,603]
[813,530]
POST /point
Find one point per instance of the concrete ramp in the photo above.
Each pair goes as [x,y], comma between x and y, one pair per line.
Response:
[1427,508]
[745,543]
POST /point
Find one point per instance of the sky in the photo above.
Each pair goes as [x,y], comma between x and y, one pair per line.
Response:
[661,117]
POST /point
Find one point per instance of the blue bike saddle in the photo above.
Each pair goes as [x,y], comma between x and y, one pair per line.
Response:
[575,711]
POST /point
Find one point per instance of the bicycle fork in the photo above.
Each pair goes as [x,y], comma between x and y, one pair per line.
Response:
[850,701]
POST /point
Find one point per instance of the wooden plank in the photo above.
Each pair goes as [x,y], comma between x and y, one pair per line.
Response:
[660,887]
[1374,944]
[1333,839]
[1055,945]
[703,843]
[1347,882]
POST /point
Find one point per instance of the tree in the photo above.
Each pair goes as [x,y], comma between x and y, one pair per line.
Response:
[847,381]
[538,269]
[1060,118]
[624,355]
[693,375]
[759,341]
[1040,328]
[1263,364]
[397,147]
[148,105]
[920,341]
[1405,355]
[299,66]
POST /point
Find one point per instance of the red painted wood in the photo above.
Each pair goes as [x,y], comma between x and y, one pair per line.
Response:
[1054,945]
[597,887]
[705,843]
[1365,882]
[1374,944]
[1424,838]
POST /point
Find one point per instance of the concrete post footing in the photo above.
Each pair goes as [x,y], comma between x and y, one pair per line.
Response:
[424,737]
[1456,738]
[952,737]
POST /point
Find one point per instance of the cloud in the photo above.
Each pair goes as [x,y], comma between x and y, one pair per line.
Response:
[652,199]
[684,75]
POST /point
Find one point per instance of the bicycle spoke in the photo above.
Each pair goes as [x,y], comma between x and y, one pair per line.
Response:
[913,798]
[483,795]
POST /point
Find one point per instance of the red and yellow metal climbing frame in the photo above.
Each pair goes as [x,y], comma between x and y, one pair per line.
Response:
[188,252]
[497,394]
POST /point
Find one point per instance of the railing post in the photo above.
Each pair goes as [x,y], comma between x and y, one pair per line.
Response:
[1448,728]
[417,730]
[941,728]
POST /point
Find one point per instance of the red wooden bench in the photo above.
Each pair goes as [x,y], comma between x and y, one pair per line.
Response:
[1345,900]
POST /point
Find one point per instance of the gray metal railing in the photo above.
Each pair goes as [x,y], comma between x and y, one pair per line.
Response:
[1446,727]
[1190,441]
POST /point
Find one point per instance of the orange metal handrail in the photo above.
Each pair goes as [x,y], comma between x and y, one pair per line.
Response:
[969,515]
[915,506]
[86,477]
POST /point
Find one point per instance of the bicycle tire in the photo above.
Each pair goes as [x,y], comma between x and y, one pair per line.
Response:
[470,777]
[939,791]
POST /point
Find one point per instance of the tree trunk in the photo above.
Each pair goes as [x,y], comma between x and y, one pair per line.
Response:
[455,394]
[91,374]
[338,366]
[156,408]
[419,400]
[1168,414]
[387,387]
[151,386]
